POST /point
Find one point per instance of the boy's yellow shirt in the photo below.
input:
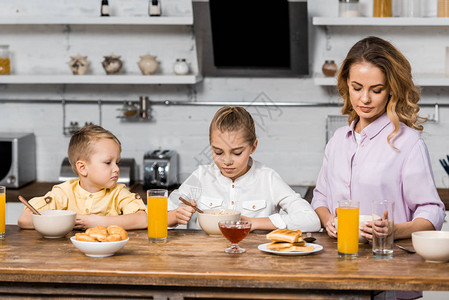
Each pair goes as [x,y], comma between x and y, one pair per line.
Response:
[107,202]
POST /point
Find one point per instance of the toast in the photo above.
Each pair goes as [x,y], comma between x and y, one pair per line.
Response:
[285,235]
[297,249]
[282,245]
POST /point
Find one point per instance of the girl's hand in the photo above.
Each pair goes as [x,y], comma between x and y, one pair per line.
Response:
[183,213]
[82,222]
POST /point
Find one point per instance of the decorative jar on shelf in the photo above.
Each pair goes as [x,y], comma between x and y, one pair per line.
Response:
[78,64]
[329,68]
[348,8]
[443,8]
[148,64]
[181,67]
[112,64]
[5,62]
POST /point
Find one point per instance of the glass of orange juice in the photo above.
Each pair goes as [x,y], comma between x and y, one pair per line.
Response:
[2,212]
[157,215]
[348,228]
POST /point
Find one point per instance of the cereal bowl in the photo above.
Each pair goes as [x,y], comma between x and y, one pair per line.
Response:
[210,218]
[54,223]
[98,249]
[432,245]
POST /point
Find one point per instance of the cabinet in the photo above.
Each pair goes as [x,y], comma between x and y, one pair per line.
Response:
[62,37]
[424,24]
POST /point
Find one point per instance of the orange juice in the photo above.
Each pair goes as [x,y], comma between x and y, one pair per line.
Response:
[2,211]
[157,218]
[348,230]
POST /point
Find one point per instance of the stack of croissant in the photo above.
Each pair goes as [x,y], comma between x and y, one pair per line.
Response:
[287,240]
[113,233]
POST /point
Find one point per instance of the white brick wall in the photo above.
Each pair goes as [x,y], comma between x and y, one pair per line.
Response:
[292,140]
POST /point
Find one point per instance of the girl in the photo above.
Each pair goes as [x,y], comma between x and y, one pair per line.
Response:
[237,181]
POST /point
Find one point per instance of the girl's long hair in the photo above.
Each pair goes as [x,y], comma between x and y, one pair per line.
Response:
[404,95]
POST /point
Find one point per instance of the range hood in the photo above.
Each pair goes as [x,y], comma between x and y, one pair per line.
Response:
[252,38]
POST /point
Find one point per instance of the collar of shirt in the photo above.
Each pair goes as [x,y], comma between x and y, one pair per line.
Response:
[246,178]
[83,194]
[373,129]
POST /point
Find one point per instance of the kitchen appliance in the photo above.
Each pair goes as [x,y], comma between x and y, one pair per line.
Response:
[17,159]
[127,171]
[160,168]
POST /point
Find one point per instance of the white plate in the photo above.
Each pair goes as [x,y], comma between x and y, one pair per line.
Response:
[316,248]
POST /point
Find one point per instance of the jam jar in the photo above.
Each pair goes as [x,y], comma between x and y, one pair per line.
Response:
[5,62]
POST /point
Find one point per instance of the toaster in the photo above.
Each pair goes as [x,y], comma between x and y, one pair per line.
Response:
[127,171]
[160,169]
[17,159]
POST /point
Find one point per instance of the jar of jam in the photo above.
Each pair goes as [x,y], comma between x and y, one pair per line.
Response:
[383,8]
[5,62]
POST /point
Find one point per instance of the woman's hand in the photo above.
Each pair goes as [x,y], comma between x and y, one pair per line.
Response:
[367,230]
[330,226]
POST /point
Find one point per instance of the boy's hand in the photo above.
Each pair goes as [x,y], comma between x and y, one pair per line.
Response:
[83,222]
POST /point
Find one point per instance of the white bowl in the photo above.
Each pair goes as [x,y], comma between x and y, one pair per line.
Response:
[432,245]
[98,249]
[362,220]
[209,219]
[54,223]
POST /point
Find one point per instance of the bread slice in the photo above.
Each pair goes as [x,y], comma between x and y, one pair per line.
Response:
[297,249]
[285,235]
[282,245]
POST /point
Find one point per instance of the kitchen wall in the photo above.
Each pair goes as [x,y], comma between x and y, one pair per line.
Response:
[291,139]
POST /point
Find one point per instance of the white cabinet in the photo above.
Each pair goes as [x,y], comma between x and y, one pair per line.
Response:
[375,25]
[41,48]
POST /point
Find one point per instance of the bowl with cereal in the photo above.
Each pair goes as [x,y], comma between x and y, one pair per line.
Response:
[54,223]
[100,241]
[209,219]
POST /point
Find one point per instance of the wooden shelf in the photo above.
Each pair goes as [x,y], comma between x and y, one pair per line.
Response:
[420,79]
[99,79]
[32,20]
[368,21]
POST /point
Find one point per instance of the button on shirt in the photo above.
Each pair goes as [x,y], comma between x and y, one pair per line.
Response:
[107,202]
[376,171]
[260,192]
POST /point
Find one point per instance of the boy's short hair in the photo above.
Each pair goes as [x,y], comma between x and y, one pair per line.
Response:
[234,118]
[81,142]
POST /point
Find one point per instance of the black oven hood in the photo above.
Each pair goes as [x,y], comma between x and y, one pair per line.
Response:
[251,38]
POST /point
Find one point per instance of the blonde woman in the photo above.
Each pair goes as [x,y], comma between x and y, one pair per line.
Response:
[381,154]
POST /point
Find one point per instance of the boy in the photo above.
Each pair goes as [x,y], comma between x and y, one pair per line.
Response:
[94,154]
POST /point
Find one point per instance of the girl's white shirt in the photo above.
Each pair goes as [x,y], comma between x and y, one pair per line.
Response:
[260,192]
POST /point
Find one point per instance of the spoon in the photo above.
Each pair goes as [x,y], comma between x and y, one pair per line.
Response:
[405,249]
[23,200]
[190,204]
[309,238]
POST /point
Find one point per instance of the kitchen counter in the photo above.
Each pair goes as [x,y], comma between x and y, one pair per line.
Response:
[40,188]
[186,267]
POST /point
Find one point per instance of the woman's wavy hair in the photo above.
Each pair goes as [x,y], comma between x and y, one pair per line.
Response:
[404,95]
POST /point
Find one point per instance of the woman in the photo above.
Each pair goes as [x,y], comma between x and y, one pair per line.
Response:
[381,154]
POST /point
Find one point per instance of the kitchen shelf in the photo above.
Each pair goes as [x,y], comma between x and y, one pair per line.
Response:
[99,79]
[420,79]
[369,21]
[32,20]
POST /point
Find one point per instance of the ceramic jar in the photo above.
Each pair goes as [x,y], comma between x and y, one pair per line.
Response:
[329,68]
[78,64]
[112,64]
[148,64]
[181,67]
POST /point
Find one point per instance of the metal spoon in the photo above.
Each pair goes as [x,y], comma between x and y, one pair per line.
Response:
[405,249]
[309,238]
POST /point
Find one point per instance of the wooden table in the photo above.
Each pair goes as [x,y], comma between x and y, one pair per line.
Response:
[193,265]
